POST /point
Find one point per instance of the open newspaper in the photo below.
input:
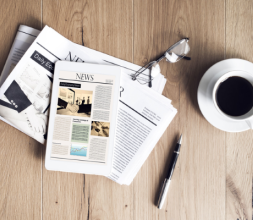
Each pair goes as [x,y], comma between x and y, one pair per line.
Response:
[143,114]
[25,94]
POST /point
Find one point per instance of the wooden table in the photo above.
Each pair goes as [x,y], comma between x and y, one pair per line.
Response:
[213,177]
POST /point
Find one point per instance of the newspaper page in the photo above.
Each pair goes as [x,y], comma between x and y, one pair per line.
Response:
[26,108]
[83,117]
[25,94]
[142,119]
[26,35]
[158,83]
[23,40]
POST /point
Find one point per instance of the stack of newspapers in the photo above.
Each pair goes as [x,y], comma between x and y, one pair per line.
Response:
[142,115]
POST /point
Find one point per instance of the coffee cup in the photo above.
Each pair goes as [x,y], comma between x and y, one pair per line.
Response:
[219,91]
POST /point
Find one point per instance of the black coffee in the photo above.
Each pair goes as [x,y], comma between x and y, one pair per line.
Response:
[234,96]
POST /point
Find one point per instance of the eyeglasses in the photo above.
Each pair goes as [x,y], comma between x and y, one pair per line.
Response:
[175,53]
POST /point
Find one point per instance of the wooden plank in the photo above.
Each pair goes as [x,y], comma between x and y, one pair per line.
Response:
[65,195]
[198,187]
[20,175]
[20,156]
[239,147]
[12,14]
[107,27]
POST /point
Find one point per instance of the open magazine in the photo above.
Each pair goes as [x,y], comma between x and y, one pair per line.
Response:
[143,114]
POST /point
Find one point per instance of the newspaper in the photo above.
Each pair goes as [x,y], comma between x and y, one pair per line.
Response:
[30,82]
[158,83]
[25,94]
[142,119]
[143,114]
[25,37]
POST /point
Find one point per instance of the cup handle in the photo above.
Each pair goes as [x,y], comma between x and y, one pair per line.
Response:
[250,123]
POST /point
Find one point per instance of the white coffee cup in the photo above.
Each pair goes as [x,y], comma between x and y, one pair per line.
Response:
[248,117]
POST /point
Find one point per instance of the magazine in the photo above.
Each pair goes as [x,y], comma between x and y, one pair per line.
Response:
[83,117]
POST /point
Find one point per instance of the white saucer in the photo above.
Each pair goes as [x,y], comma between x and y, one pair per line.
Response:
[205,89]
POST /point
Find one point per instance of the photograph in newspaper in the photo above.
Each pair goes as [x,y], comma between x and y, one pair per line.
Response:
[99,128]
[83,117]
[25,103]
[25,93]
[74,102]
[43,51]
[78,150]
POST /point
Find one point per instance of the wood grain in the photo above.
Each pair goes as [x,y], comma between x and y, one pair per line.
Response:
[65,195]
[108,26]
[203,164]
[152,36]
[213,176]
[104,26]
[239,151]
[197,188]
[20,156]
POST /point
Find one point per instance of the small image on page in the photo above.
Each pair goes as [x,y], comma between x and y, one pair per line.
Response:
[78,150]
[83,117]
[100,128]
[80,133]
[25,103]
[74,102]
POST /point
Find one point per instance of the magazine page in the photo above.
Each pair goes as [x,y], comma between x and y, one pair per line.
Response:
[23,40]
[142,119]
[25,94]
[83,116]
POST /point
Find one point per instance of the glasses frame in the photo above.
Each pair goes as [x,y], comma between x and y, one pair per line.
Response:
[150,64]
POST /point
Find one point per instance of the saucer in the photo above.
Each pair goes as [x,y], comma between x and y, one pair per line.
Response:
[205,90]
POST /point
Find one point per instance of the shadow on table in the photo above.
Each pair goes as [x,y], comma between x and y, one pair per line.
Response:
[189,76]
[165,169]
[37,149]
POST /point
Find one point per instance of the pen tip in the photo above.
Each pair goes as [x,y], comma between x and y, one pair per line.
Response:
[180,139]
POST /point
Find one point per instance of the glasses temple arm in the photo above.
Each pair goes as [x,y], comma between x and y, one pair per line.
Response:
[142,69]
[138,72]
[186,58]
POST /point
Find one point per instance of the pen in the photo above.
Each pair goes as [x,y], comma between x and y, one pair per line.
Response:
[167,180]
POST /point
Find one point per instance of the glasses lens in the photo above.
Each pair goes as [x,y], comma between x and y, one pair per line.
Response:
[177,51]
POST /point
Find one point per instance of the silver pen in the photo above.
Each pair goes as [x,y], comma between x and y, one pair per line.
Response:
[166,183]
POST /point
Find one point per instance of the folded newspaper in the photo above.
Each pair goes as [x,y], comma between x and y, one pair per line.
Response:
[143,114]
